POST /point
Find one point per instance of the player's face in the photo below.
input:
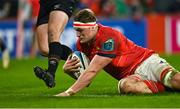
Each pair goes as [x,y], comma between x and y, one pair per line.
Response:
[85,34]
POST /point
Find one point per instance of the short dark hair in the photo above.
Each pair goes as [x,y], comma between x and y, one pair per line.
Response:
[85,16]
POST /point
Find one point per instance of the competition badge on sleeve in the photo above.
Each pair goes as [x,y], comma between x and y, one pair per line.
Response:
[109,45]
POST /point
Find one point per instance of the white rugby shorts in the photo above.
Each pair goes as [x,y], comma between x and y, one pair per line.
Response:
[152,68]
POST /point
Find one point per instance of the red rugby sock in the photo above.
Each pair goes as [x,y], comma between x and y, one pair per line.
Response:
[155,87]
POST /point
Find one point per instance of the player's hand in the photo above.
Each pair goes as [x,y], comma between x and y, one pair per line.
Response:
[71,65]
[63,94]
[66,93]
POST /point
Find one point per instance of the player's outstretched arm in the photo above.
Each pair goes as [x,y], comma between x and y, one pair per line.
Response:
[97,63]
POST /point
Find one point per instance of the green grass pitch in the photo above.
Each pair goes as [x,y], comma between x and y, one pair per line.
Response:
[19,88]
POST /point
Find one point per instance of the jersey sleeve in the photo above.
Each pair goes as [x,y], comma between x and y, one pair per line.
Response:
[108,45]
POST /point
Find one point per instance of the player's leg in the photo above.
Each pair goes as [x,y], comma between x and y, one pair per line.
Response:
[175,81]
[58,18]
[60,11]
[42,28]
[43,44]
[129,85]
[171,78]
[34,46]
[2,45]
[160,70]
[42,40]
[134,84]
[56,25]
[5,54]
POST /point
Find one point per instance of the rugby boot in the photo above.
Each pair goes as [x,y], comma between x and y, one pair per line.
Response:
[46,76]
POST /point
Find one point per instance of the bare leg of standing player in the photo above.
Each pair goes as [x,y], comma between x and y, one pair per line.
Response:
[5,54]
[49,28]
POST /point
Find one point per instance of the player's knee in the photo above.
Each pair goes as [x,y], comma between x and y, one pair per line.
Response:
[133,86]
[126,86]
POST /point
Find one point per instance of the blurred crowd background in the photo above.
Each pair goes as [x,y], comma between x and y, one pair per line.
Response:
[154,24]
[107,8]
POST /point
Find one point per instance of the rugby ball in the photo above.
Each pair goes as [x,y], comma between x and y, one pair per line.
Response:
[84,62]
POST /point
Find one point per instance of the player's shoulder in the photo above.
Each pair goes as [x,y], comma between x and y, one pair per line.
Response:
[103,27]
[106,32]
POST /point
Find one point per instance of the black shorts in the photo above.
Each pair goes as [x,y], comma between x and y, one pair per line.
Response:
[46,6]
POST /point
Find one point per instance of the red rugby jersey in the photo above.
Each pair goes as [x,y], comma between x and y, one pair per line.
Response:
[112,43]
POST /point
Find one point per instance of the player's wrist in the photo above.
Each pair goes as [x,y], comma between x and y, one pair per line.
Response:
[70,92]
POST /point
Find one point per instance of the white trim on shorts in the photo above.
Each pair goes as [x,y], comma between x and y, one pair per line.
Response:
[152,68]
